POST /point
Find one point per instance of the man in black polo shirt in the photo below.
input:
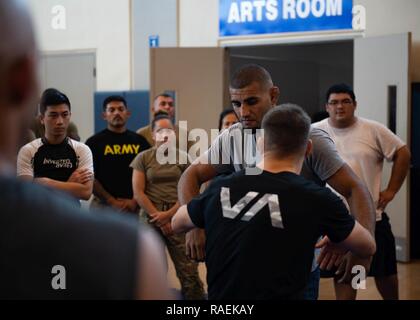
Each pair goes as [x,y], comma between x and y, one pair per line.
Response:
[261,229]
[113,151]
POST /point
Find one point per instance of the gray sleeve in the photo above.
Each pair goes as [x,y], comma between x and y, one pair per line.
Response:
[220,153]
[324,160]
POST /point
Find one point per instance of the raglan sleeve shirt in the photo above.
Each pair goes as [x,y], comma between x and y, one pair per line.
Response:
[24,161]
[85,157]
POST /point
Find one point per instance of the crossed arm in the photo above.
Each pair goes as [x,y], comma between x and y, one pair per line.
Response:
[79,185]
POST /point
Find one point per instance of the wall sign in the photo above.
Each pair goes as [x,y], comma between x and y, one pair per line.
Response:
[253,17]
[154,41]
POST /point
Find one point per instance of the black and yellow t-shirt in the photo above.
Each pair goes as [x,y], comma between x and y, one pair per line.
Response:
[112,155]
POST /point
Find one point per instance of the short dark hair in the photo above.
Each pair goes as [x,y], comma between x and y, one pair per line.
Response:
[286,129]
[164,95]
[248,74]
[112,99]
[52,97]
[223,115]
[160,117]
[341,88]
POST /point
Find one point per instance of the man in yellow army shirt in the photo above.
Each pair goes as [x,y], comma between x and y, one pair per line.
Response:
[113,150]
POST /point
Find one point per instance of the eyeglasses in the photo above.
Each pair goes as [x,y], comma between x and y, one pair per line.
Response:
[344,103]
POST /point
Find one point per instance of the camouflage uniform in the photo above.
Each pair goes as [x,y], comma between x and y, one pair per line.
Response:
[186,269]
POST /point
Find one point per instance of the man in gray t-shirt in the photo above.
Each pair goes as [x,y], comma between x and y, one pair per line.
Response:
[253,95]
[227,157]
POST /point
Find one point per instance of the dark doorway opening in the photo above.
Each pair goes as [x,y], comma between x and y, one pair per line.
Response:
[304,72]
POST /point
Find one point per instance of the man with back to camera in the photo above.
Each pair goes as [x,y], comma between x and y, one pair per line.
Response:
[253,94]
[365,144]
[56,160]
[113,151]
[276,217]
[106,256]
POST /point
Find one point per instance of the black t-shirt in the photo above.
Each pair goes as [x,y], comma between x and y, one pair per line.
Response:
[40,229]
[261,245]
[112,156]
[55,161]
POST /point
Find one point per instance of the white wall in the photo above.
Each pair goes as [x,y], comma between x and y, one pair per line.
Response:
[101,25]
[199,23]
[395,16]
[104,25]
[149,18]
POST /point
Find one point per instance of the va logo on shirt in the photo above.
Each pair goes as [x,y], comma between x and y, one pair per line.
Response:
[272,200]
[118,150]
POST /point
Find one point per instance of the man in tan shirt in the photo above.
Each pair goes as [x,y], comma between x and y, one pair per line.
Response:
[165,104]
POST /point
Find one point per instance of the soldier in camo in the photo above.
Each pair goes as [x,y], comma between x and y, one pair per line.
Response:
[155,189]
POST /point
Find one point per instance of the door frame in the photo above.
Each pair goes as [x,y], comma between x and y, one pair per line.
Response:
[77,52]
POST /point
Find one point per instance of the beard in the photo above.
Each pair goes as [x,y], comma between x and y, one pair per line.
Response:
[118,123]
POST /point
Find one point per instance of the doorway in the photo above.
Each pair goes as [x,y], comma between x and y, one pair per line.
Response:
[303,72]
[415,173]
[74,74]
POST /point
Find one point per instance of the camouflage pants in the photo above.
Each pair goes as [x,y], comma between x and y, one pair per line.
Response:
[186,269]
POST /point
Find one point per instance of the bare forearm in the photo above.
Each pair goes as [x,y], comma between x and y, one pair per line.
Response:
[174,209]
[191,181]
[181,222]
[357,195]
[188,187]
[26,178]
[100,192]
[362,207]
[145,203]
[399,169]
[77,190]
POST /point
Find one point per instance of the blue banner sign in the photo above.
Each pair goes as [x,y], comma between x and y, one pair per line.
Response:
[253,17]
